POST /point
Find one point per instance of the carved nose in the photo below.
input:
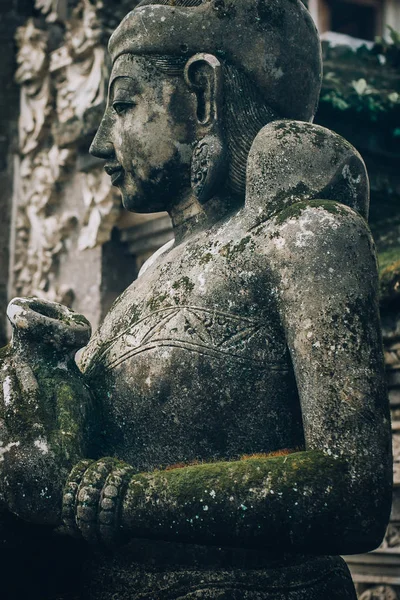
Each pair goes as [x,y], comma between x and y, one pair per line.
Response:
[100,148]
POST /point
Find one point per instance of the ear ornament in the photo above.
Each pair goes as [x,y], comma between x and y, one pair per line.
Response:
[203,75]
[208,167]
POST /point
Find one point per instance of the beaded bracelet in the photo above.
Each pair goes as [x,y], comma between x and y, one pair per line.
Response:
[111,502]
[93,497]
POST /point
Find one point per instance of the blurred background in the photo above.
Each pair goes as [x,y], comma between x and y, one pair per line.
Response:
[362,19]
[63,233]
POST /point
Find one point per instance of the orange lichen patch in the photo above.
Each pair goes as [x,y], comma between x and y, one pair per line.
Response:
[182,465]
[282,452]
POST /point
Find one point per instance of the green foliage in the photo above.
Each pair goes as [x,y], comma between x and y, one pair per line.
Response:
[364,83]
[390,50]
[389,274]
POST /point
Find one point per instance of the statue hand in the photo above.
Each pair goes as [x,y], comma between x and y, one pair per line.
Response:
[46,409]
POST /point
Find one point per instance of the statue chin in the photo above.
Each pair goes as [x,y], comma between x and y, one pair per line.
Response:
[134,199]
[141,203]
[155,193]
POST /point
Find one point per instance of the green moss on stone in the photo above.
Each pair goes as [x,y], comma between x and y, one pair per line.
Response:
[156,301]
[389,274]
[4,352]
[318,137]
[205,258]
[295,210]
[244,500]
[231,250]
[184,283]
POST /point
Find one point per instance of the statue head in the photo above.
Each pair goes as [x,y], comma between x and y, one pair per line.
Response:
[192,83]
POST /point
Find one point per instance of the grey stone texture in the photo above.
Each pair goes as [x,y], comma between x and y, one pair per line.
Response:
[227,434]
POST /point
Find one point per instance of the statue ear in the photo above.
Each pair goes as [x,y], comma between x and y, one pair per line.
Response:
[204,77]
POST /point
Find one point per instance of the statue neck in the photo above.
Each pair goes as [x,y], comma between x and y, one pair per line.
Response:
[190,217]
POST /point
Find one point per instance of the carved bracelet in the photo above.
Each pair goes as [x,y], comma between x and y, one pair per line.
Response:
[93,497]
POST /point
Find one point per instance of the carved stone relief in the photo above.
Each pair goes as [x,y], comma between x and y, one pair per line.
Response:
[392,356]
[396,458]
[63,87]
[392,538]
[102,204]
[33,77]
[81,85]
[79,72]
[40,231]
[392,359]
[380,592]
[52,9]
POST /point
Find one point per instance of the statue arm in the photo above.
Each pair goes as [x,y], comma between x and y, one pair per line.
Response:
[328,289]
[332,498]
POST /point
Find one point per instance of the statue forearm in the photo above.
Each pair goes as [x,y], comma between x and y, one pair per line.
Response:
[293,503]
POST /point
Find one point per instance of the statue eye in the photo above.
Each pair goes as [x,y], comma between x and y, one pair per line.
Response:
[121,107]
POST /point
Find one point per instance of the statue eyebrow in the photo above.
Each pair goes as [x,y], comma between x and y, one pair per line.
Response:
[131,87]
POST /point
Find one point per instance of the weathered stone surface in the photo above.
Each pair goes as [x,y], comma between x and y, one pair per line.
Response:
[224,29]
[46,409]
[238,384]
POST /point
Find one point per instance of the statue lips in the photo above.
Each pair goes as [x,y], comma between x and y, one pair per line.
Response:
[115,171]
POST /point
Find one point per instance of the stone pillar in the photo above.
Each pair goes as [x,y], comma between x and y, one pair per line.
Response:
[13,14]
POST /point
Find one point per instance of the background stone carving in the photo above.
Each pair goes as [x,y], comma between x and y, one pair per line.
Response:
[80,71]
[40,231]
[33,77]
[62,73]
[65,209]
[380,592]
[102,203]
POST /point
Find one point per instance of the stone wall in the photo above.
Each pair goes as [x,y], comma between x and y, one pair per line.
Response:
[65,209]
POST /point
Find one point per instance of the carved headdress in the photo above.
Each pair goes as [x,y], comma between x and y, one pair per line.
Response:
[274,42]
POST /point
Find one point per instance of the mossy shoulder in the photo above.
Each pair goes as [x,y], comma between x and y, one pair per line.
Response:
[184,284]
[295,210]
[287,129]
[231,250]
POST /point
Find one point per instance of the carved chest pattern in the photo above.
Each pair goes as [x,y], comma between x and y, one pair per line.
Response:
[208,332]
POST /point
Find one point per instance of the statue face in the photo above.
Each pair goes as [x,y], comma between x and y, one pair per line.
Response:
[146,135]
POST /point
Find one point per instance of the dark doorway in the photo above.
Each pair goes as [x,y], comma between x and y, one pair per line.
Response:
[355,18]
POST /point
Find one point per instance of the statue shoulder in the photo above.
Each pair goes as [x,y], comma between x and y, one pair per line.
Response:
[309,229]
[294,161]
[324,248]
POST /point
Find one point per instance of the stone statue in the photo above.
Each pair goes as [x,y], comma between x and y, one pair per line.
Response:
[236,389]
